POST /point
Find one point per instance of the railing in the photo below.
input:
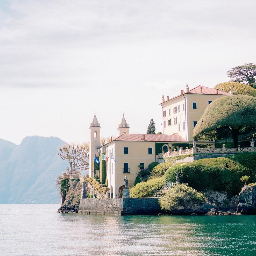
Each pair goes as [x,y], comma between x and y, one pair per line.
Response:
[187,151]
[208,150]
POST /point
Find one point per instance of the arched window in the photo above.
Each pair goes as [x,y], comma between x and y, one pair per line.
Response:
[165,148]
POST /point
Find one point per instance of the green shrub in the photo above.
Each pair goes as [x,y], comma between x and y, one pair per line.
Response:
[148,188]
[152,165]
[64,185]
[161,169]
[238,88]
[179,197]
[218,174]
[247,159]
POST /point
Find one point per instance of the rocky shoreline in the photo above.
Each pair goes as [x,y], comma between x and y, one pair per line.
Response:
[217,203]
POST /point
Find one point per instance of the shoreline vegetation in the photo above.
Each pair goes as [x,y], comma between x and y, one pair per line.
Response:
[210,186]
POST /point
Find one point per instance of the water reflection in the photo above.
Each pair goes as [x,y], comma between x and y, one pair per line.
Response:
[39,230]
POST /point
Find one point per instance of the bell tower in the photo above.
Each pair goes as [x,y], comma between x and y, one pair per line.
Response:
[94,143]
[123,127]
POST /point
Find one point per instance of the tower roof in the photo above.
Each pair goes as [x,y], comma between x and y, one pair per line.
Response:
[123,123]
[95,122]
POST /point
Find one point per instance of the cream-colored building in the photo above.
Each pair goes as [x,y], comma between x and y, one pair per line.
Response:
[181,113]
[125,155]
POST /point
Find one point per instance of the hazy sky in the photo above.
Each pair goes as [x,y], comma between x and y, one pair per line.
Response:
[61,61]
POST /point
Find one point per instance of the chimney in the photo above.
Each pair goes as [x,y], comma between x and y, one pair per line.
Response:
[187,89]
[201,89]
[163,99]
[143,137]
[182,92]
[217,91]
[167,98]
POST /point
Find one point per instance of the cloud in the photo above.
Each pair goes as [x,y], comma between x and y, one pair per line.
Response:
[75,43]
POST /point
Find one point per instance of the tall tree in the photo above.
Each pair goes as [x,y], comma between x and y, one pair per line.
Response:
[244,74]
[228,116]
[76,155]
[236,88]
[151,127]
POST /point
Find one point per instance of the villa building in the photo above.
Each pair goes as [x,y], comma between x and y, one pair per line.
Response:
[181,113]
[126,155]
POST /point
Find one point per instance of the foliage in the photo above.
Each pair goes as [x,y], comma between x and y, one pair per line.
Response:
[244,74]
[151,127]
[77,156]
[160,169]
[152,165]
[247,159]
[144,174]
[228,116]
[97,186]
[237,88]
[181,196]
[64,185]
[147,189]
[103,173]
[245,179]
[217,174]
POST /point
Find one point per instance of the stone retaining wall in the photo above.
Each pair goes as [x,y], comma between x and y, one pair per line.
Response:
[120,206]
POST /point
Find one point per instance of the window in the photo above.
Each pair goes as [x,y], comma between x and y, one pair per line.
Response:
[175,120]
[150,151]
[194,105]
[164,113]
[194,123]
[183,106]
[179,108]
[179,127]
[184,126]
[165,148]
[169,111]
[125,150]
[164,124]
[209,102]
[141,166]
[126,168]
[169,122]
[175,110]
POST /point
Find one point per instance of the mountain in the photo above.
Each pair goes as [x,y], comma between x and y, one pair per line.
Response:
[28,171]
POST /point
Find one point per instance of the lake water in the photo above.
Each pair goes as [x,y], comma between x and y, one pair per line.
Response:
[40,230]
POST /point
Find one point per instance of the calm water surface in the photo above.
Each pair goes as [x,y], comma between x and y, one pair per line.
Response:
[40,230]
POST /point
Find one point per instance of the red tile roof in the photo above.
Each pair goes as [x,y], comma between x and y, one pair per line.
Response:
[149,137]
[206,90]
[200,90]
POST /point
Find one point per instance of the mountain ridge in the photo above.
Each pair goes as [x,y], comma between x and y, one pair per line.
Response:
[28,171]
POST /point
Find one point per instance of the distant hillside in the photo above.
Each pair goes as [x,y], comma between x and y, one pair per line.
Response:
[28,171]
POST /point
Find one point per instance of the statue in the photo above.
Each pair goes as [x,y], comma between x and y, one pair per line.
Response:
[252,143]
[125,182]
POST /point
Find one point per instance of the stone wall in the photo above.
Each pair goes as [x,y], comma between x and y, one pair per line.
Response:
[120,206]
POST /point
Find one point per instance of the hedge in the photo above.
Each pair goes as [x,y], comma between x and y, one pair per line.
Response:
[218,174]
[148,188]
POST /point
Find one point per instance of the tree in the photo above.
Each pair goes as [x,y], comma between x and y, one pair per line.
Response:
[244,74]
[245,179]
[77,156]
[236,88]
[228,116]
[181,197]
[151,127]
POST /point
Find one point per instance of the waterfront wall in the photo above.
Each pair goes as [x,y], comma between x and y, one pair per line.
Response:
[120,206]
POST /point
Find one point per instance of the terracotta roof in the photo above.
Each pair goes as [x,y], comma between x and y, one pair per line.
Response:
[200,90]
[206,90]
[149,137]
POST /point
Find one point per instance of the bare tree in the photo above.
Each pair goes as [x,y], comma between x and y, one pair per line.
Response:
[77,156]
